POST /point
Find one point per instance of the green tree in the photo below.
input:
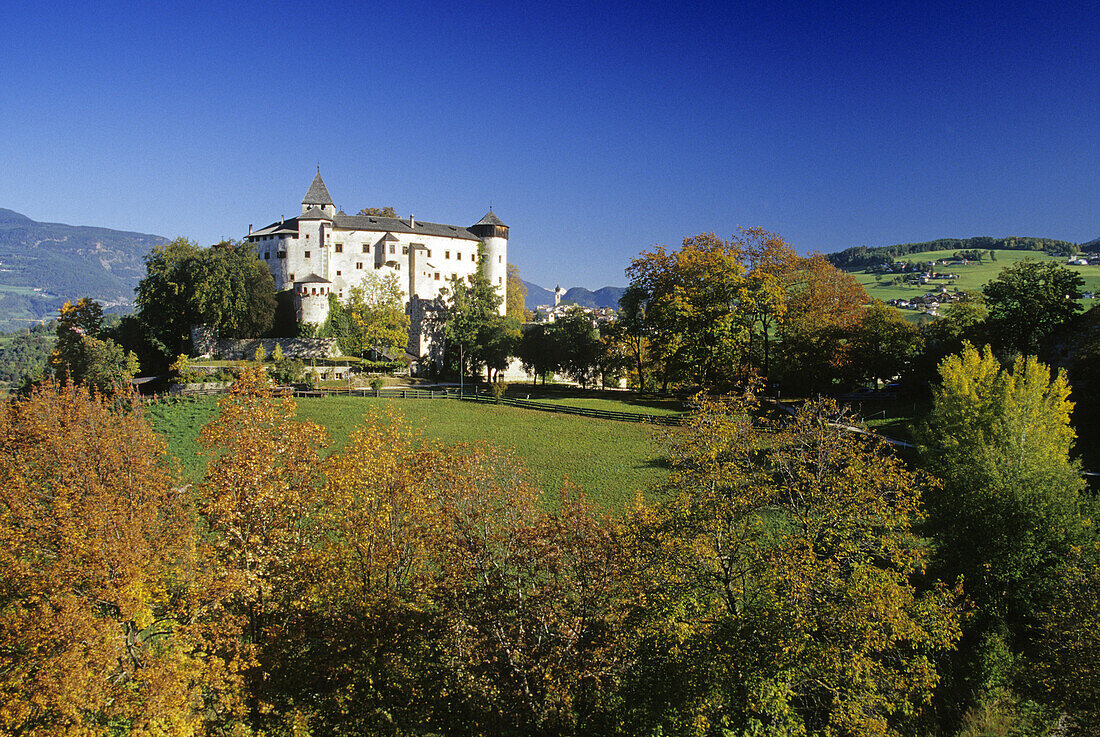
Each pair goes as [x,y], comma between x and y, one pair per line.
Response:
[1029,300]
[1009,511]
[578,340]
[225,286]
[538,350]
[882,344]
[476,333]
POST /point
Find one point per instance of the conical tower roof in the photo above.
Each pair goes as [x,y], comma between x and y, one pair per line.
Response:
[490,219]
[318,193]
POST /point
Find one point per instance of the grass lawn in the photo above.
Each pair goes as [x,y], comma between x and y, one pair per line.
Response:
[610,460]
[971,276]
[612,401]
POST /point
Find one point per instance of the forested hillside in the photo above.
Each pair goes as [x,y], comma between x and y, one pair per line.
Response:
[863,256]
[44,264]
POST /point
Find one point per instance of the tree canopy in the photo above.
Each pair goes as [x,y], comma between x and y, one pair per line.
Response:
[225,286]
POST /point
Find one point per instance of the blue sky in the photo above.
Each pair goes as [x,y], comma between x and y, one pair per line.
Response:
[595,130]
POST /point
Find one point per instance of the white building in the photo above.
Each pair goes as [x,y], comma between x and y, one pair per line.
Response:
[322,250]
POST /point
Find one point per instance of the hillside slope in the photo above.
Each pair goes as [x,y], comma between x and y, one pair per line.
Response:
[44,264]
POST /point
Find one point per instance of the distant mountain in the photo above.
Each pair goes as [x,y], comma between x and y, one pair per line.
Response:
[605,297]
[44,264]
[1093,245]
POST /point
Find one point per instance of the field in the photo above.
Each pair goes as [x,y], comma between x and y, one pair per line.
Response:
[972,276]
[610,460]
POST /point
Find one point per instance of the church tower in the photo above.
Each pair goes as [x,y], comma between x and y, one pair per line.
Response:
[494,235]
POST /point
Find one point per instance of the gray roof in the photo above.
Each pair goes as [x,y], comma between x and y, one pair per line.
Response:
[369,223]
[314,213]
[312,279]
[317,194]
[490,219]
[399,225]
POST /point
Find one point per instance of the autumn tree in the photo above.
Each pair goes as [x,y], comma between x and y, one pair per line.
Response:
[774,583]
[772,264]
[517,295]
[257,499]
[372,317]
[529,599]
[687,304]
[86,355]
[824,307]
[102,628]
[383,212]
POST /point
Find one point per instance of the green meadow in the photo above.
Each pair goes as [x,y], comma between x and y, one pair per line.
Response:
[611,461]
[972,276]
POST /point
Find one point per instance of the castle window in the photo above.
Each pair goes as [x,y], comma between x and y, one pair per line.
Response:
[391,248]
[267,255]
[500,259]
[366,248]
[339,247]
[307,254]
[404,250]
[337,272]
[437,276]
[500,280]
[446,254]
[429,253]
[358,264]
[307,236]
[281,254]
[290,276]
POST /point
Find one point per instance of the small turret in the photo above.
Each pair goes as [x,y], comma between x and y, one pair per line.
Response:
[558,292]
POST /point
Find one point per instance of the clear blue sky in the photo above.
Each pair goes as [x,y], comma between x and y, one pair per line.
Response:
[596,131]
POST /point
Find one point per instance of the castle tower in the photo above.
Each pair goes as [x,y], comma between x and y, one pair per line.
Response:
[311,298]
[494,235]
[317,196]
[558,292]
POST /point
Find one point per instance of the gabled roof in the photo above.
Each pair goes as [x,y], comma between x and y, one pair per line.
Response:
[317,194]
[314,213]
[312,279]
[490,219]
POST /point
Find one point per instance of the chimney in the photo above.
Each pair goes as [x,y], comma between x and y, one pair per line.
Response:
[250,228]
[412,222]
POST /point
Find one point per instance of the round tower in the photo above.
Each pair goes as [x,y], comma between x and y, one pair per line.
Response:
[311,299]
[494,237]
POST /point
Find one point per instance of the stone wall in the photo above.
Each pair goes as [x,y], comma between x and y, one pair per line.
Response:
[205,343]
[245,348]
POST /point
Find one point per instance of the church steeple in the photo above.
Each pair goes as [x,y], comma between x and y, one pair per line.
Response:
[317,196]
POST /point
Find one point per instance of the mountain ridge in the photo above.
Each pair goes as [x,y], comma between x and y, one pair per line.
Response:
[44,264]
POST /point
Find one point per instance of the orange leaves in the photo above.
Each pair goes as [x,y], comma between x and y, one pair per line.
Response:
[93,539]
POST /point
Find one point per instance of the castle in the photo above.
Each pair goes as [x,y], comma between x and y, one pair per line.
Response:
[322,251]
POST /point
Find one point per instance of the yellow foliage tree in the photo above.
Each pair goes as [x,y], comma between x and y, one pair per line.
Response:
[101,617]
[776,581]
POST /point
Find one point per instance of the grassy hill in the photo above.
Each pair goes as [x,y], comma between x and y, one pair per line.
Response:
[611,461]
[972,276]
[44,264]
